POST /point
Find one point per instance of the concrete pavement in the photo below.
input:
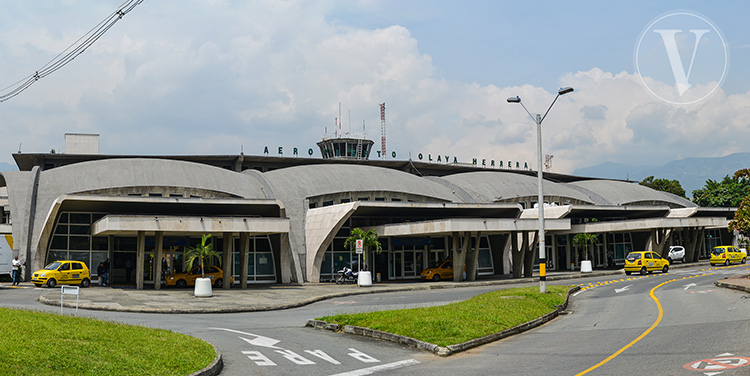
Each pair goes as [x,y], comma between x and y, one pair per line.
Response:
[276,297]
[263,297]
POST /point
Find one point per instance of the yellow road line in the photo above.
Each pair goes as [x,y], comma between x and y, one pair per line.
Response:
[658,320]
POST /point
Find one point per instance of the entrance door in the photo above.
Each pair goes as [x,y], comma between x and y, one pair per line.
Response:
[405,264]
[549,252]
[601,257]
[173,258]
[409,264]
[148,268]
[122,267]
[396,264]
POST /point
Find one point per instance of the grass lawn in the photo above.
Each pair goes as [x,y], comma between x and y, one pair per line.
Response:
[40,343]
[459,322]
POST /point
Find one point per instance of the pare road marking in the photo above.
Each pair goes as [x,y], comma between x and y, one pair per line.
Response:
[718,364]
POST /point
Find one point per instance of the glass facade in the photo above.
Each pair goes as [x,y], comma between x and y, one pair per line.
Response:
[402,257]
[620,244]
[72,240]
[260,262]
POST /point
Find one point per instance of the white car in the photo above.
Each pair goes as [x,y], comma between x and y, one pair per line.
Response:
[676,252]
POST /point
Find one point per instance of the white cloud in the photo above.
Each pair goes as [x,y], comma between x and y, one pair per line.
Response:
[210,77]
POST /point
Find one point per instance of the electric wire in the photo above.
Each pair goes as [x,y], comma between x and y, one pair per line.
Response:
[70,53]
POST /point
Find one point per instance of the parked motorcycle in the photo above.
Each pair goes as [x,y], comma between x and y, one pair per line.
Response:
[346,275]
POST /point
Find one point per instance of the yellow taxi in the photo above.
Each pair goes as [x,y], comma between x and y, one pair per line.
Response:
[727,254]
[645,262]
[444,269]
[63,272]
[188,278]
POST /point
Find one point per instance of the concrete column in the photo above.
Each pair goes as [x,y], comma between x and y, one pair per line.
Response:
[659,239]
[472,256]
[528,250]
[287,264]
[498,244]
[158,254]
[517,255]
[455,255]
[140,257]
[459,255]
[692,237]
[228,244]
[110,256]
[244,249]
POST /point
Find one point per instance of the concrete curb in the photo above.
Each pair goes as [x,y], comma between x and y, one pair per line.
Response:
[212,369]
[732,286]
[439,350]
[53,298]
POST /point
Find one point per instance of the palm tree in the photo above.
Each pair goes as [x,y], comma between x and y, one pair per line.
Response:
[201,251]
[584,240]
[369,239]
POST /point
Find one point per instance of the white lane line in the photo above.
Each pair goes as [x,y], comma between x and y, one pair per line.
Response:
[382,367]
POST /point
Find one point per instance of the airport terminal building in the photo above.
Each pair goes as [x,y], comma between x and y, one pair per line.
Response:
[285,219]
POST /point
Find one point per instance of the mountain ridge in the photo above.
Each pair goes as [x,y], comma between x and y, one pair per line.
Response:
[692,172]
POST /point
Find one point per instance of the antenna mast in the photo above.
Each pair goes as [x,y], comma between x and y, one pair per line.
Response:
[382,130]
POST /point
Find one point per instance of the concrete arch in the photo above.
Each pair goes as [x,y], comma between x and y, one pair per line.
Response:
[613,192]
[499,186]
[322,226]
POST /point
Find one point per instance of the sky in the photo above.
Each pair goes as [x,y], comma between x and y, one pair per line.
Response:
[228,77]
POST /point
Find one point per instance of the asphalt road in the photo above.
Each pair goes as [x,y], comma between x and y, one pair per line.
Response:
[610,329]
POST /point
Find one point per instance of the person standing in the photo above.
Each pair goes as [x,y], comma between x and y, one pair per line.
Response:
[106,272]
[16,268]
[100,273]
[128,270]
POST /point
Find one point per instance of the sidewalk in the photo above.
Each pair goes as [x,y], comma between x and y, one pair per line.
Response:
[265,297]
[277,296]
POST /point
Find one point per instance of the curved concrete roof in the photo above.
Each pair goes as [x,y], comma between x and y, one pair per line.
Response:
[492,186]
[314,180]
[612,192]
[115,173]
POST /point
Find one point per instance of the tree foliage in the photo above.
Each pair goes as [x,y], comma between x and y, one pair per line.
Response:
[664,185]
[369,239]
[584,240]
[201,252]
[728,193]
[741,221]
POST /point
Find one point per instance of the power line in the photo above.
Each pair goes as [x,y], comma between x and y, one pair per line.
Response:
[70,53]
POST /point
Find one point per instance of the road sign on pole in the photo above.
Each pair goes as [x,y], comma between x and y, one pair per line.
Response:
[360,247]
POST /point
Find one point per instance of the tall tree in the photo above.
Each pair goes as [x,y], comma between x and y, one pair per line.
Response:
[369,239]
[664,185]
[201,252]
[584,240]
[728,193]
[741,221]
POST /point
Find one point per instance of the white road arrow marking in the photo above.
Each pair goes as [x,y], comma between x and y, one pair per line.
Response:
[712,373]
[380,368]
[689,286]
[258,341]
[617,291]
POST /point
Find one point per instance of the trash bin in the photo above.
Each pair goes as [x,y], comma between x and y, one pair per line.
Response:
[377,277]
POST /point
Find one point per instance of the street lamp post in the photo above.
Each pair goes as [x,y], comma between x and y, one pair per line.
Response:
[540,199]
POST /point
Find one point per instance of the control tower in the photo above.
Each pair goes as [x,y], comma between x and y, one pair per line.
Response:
[345,148]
